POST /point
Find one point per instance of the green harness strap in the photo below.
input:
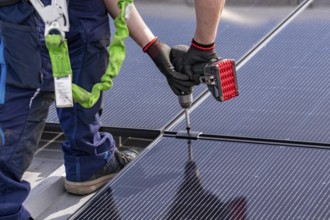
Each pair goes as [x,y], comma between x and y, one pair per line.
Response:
[59,55]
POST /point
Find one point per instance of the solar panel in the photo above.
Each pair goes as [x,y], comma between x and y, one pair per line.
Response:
[283,88]
[141,97]
[217,180]
[283,96]
[212,179]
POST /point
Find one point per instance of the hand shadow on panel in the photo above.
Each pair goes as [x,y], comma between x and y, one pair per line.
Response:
[192,202]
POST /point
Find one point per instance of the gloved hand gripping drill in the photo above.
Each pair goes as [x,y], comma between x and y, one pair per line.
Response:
[180,83]
[178,53]
[202,65]
[159,52]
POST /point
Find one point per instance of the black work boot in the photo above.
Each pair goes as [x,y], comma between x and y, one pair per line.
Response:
[119,160]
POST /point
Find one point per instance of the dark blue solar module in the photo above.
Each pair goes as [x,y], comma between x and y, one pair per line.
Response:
[217,180]
[141,97]
[283,96]
[284,88]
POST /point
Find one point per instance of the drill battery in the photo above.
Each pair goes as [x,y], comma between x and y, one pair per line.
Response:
[220,77]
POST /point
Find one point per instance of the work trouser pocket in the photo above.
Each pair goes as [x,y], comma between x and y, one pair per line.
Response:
[20,50]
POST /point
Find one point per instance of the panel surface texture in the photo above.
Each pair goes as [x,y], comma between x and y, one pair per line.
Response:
[284,88]
[217,180]
[140,97]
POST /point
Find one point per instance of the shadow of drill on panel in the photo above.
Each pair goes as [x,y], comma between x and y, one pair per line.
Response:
[194,202]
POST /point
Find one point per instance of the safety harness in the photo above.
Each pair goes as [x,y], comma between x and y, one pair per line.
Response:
[59,55]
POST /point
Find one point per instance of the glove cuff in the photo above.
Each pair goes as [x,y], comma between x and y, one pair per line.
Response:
[202,46]
[146,47]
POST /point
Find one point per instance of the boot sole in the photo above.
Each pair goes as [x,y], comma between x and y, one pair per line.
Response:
[88,187]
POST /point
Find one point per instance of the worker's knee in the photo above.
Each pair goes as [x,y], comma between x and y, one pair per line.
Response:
[13,116]
[22,119]
[20,65]
[31,134]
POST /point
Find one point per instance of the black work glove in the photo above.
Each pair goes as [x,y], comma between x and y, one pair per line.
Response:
[177,55]
[160,54]
[193,59]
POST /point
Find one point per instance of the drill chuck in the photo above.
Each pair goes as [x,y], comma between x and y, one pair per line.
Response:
[185,100]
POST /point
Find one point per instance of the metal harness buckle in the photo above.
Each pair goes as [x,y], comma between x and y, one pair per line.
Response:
[55,16]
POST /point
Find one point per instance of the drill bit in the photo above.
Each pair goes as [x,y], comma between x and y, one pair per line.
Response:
[185,101]
[187,120]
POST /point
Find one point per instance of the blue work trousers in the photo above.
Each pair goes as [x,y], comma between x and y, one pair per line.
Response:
[23,107]
[26,92]
[86,149]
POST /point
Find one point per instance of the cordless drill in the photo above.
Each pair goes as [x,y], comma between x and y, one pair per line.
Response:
[220,77]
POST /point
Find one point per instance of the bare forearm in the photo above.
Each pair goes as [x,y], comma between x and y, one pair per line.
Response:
[208,14]
[138,30]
